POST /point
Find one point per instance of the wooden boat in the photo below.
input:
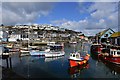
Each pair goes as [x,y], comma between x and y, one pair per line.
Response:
[76,60]
[55,54]
[112,57]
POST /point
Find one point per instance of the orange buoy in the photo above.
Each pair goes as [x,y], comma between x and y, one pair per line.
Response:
[84,61]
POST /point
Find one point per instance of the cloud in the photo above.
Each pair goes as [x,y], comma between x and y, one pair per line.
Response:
[0,13]
[22,12]
[102,15]
[59,22]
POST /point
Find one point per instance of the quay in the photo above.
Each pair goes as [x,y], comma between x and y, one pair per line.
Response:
[7,73]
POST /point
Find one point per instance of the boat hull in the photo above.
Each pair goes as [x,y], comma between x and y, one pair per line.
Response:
[74,63]
[37,53]
[110,59]
[77,62]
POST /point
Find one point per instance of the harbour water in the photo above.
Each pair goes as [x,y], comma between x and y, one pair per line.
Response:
[40,67]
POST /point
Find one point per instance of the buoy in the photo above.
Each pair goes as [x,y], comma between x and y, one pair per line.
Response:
[79,63]
[84,61]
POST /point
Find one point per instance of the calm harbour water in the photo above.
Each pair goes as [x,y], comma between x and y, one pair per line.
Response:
[40,67]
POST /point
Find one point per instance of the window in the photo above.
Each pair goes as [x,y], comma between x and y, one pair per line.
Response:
[106,35]
[111,52]
[73,55]
[114,52]
[118,53]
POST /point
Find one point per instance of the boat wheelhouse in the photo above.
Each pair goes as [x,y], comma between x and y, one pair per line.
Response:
[112,57]
[96,49]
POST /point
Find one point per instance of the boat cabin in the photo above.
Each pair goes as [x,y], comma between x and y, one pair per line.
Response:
[75,55]
[115,52]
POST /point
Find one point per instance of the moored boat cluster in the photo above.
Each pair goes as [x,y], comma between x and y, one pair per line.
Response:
[106,46]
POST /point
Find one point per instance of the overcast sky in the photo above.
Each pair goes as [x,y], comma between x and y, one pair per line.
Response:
[87,17]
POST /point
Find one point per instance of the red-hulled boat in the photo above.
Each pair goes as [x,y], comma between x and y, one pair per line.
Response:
[112,57]
[75,59]
[96,49]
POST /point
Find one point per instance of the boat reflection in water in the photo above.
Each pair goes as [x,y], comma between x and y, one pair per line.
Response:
[115,69]
[75,71]
[52,59]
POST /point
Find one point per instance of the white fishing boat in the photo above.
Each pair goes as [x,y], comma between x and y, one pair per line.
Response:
[38,52]
[57,50]
[55,54]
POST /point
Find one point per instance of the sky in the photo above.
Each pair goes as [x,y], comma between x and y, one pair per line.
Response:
[87,17]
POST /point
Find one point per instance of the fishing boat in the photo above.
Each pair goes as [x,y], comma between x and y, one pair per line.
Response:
[55,54]
[112,57]
[38,52]
[56,50]
[96,49]
[76,60]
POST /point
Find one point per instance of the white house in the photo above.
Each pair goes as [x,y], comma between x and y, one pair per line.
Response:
[15,37]
[3,34]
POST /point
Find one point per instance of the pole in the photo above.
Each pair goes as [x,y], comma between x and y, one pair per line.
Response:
[10,62]
[7,62]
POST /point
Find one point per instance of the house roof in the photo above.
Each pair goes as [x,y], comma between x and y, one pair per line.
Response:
[116,34]
[103,32]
